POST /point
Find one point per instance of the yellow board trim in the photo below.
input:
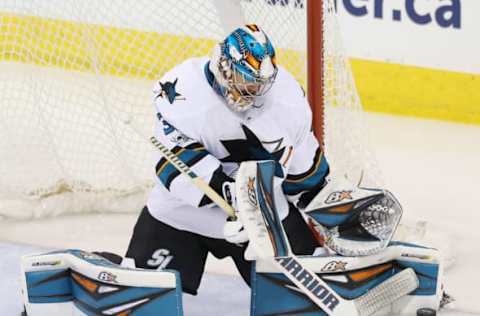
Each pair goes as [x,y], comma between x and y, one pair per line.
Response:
[118,52]
[383,87]
[70,45]
[417,91]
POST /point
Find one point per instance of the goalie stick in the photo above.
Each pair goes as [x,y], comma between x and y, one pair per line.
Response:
[307,281]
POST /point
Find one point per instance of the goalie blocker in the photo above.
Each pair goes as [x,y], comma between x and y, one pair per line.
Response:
[75,282]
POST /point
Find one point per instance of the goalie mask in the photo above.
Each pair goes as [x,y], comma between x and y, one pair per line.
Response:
[244,67]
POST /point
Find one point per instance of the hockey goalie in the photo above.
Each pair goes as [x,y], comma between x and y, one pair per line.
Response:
[240,174]
[356,270]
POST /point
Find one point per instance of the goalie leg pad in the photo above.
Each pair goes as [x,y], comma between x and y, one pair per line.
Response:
[356,278]
[74,282]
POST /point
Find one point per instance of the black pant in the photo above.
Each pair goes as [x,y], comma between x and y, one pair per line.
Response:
[156,245]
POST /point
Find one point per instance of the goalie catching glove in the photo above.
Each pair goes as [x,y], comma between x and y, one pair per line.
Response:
[353,221]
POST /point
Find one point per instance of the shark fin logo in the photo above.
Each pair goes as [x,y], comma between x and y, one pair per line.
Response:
[168,91]
[251,148]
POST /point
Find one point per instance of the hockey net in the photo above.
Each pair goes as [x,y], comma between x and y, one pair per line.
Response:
[72,73]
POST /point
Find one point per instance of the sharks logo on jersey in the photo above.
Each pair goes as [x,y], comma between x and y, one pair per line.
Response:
[168,91]
[209,138]
[251,148]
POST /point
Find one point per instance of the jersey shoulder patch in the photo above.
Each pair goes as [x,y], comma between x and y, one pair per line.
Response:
[175,86]
[167,90]
[183,96]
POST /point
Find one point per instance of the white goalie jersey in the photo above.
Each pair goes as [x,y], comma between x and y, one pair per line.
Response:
[196,124]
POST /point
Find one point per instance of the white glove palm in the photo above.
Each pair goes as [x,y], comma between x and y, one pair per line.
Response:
[233,230]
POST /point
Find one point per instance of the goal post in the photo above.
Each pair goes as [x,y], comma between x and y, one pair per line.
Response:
[72,72]
[315,68]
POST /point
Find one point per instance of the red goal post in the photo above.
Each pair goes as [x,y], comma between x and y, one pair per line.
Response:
[315,78]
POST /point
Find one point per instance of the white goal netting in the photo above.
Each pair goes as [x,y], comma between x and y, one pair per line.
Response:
[72,72]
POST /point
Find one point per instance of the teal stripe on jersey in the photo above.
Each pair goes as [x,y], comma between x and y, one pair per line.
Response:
[190,155]
[315,176]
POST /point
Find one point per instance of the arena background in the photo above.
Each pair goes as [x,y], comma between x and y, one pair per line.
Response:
[430,69]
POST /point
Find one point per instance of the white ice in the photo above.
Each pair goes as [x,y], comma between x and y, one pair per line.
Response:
[431,166]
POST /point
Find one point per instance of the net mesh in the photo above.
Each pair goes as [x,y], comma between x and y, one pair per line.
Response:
[73,72]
